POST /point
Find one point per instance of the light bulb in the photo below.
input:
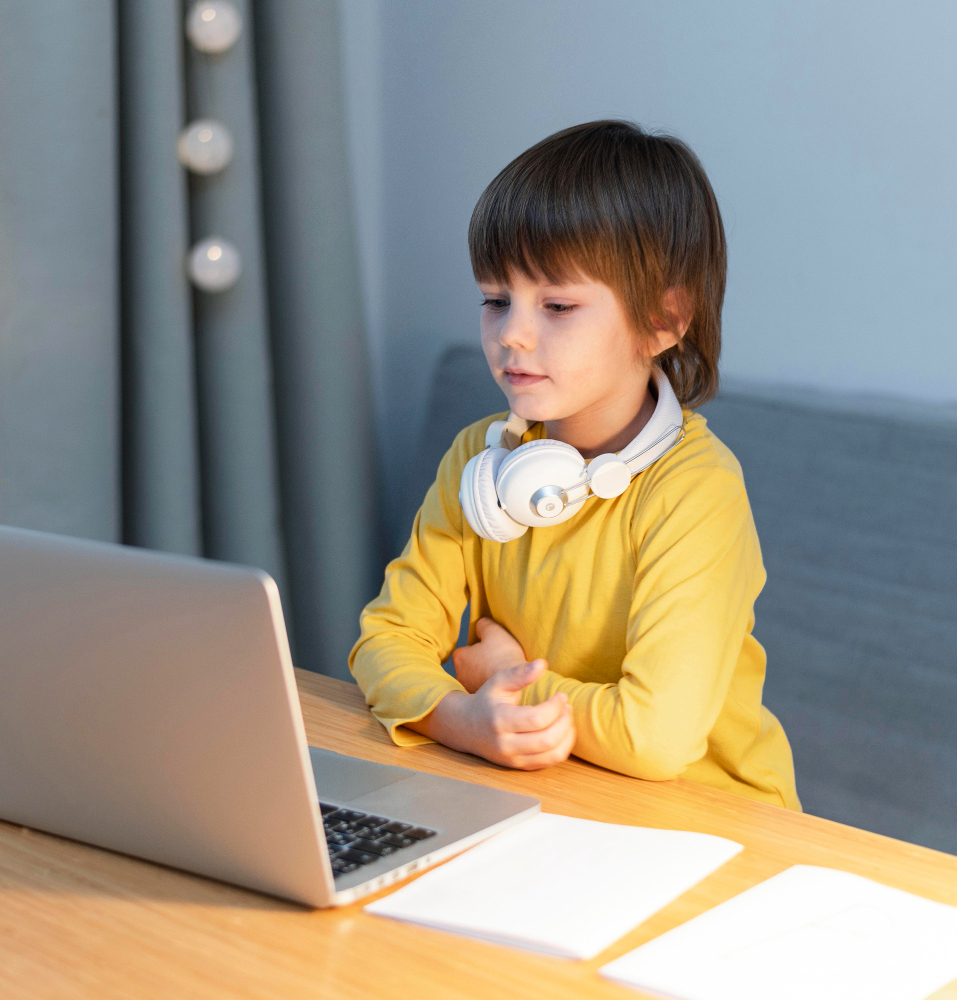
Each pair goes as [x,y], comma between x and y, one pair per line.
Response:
[213,25]
[214,264]
[204,146]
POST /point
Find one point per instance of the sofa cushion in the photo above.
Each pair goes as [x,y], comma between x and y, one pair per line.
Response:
[857,516]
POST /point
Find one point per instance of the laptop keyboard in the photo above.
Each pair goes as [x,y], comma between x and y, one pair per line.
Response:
[358,838]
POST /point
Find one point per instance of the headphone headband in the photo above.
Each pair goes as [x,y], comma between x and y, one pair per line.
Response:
[667,415]
[506,433]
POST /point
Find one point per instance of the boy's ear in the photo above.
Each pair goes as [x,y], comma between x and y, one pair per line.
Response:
[667,330]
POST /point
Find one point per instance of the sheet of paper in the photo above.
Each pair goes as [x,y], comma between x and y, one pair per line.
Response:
[808,932]
[559,885]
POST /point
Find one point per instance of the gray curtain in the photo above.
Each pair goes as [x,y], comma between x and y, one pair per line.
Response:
[234,425]
[59,279]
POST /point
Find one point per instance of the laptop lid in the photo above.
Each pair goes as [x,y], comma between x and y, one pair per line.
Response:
[148,705]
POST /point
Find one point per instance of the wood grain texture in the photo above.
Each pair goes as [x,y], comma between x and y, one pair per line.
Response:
[76,921]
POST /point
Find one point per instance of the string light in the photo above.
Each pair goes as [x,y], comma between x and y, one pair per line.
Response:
[204,146]
[213,25]
[214,264]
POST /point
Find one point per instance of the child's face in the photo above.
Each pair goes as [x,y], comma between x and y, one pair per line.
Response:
[561,351]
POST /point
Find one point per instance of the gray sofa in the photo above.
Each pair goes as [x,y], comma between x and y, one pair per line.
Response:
[857,515]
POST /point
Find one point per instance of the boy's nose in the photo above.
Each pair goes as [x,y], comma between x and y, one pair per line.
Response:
[517,331]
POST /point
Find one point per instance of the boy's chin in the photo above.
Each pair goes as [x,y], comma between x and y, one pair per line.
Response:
[531,410]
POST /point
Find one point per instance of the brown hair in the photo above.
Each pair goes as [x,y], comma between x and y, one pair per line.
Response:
[622,206]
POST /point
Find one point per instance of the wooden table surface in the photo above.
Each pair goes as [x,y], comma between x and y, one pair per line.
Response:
[76,921]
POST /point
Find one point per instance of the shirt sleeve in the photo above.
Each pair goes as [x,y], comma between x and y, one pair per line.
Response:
[698,573]
[411,628]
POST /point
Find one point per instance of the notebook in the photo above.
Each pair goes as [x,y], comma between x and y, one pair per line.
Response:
[559,885]
[808,932]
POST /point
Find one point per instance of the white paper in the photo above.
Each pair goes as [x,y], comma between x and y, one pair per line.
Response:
[806,933]
[559,885]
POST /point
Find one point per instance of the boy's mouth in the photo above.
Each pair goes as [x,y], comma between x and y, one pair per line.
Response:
[518,376]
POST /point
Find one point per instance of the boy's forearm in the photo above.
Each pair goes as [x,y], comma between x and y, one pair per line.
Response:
[448,722]
[400,681]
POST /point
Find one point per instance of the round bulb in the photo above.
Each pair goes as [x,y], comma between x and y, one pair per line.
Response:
[204,146]
[214,264]
[213,25]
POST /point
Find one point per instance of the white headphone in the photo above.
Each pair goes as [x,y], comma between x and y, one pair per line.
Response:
[511,487]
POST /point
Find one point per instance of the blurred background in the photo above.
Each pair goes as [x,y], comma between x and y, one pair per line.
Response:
[237,317]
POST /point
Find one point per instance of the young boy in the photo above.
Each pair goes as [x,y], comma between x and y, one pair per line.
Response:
[619,631]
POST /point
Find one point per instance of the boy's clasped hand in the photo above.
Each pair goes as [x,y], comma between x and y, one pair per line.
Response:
[490,720]
[497,649]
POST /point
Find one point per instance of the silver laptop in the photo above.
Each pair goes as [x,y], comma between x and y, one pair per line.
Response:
[148,705]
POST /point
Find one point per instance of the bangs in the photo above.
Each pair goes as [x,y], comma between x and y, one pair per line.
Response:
[542,218]
[534,237]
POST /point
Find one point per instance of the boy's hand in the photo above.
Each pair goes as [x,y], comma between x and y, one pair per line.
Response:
[492,724]
[496,649]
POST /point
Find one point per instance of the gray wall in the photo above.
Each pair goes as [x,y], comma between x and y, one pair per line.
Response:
[826,130]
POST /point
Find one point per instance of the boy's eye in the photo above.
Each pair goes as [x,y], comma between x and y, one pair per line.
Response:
[495,303]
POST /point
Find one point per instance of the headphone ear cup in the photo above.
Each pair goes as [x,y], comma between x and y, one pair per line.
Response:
[536,464]
[480,501]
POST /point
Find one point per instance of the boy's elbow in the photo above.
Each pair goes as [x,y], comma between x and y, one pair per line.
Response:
[654,767]
[661,757]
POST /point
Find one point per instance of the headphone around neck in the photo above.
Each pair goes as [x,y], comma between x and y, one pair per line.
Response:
[511,487]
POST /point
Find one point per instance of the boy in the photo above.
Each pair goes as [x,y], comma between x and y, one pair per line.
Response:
[601,258]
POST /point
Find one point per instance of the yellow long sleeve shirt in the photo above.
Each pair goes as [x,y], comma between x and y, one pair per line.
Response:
[642,606]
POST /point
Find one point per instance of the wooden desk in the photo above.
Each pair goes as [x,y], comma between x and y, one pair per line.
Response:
[76,921]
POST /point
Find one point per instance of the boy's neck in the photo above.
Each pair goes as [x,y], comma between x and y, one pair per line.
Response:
[608,427]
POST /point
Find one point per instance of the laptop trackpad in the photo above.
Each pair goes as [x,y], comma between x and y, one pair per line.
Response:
[340,779]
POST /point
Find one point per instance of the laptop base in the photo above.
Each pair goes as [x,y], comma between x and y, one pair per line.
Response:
[460,813]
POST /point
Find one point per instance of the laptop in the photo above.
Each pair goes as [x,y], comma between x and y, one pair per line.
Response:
[148,705]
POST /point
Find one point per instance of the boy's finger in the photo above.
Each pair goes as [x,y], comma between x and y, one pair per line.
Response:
[541,740]
[482,626]
[548,758]
[534,718]
[517,677]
